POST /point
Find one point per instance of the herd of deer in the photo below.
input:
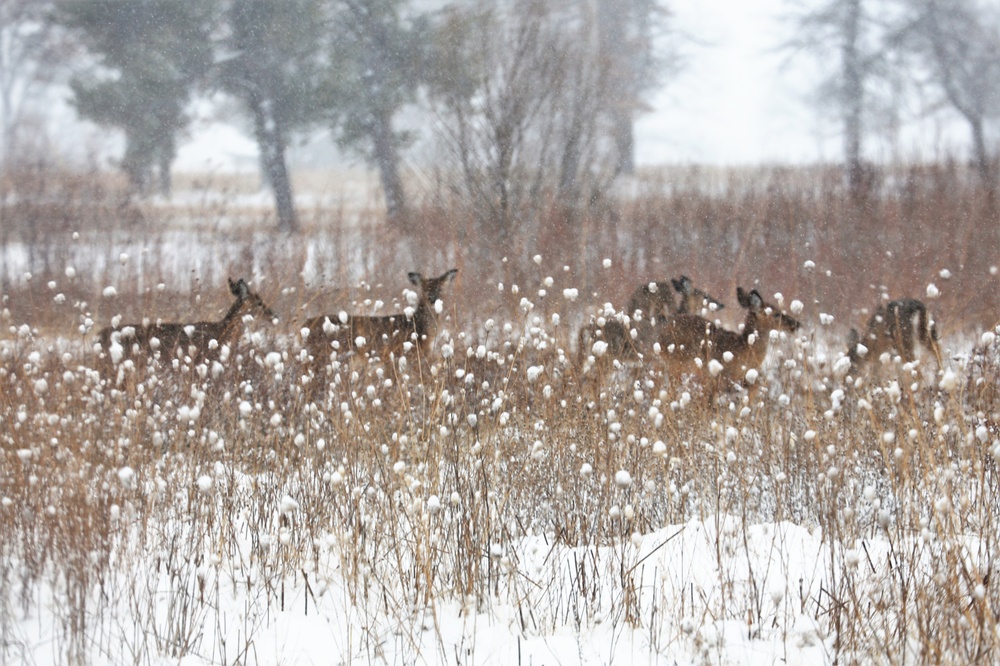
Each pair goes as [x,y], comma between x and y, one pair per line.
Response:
[652,324]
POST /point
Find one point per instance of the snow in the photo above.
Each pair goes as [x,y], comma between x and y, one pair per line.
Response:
[690,606]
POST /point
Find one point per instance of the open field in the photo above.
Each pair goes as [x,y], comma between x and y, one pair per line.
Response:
[497,501]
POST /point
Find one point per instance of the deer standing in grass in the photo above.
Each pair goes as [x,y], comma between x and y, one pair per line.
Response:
[693,344]
[632,336]
[203,339]
[891,329]
[386,336]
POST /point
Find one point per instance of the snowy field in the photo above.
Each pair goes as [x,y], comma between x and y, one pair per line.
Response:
[508,496]
[494,503]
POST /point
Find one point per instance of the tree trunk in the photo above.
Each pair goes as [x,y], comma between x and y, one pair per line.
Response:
[386,155]
[165,182]
[271,142]
[853,96]
[614,43]
[983,165]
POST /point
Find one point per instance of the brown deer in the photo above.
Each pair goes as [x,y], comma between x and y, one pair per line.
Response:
[689,343]
[891,328]
[390,335]
[203,339]
[632,335]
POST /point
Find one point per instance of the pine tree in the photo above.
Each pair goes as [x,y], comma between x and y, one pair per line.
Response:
[147,58]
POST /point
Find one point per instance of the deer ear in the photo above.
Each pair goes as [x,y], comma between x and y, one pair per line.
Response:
[234,287]
[451,274]
[853,338]
[415,278]
[742,297]
[756,302]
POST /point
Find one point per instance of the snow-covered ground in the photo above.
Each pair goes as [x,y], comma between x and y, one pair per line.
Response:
[682,594]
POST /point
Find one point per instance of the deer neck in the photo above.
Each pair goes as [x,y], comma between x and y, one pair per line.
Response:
[231,324]
[424,317]
[751,327]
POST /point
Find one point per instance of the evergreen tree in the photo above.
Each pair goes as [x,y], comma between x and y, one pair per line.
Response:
[274,67]
[375,56]
[147,58]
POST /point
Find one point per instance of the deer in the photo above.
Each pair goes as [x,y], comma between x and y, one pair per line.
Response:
[691,343]
[891,329]
[204,339]
[632,335]
[387,336]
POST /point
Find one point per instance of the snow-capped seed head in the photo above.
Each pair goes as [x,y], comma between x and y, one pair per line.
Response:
[623,479]
[949,382]
[433,504]
[659,448]
[599,348]
[933,291]
[586,470]
[796,306]
[109,292]
[205,483]
[127,476]
[571,294]
[288,505]
[537,259]
[534,372]
[606,263]
[399,467]
[714,367]
[809,264]
[777,593]
[752,375]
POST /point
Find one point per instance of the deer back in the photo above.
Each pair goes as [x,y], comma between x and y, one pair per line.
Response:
[386,335]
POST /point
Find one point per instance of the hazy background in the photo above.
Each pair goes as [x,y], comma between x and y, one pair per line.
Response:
[737,98]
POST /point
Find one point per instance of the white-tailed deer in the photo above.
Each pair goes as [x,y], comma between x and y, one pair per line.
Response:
[386,335]
[632,333]
[693,344]
[203,339]
[891,328]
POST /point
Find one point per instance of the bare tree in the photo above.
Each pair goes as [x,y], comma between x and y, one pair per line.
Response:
[857,35]
[29,51]
[528,107]
[959,43]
